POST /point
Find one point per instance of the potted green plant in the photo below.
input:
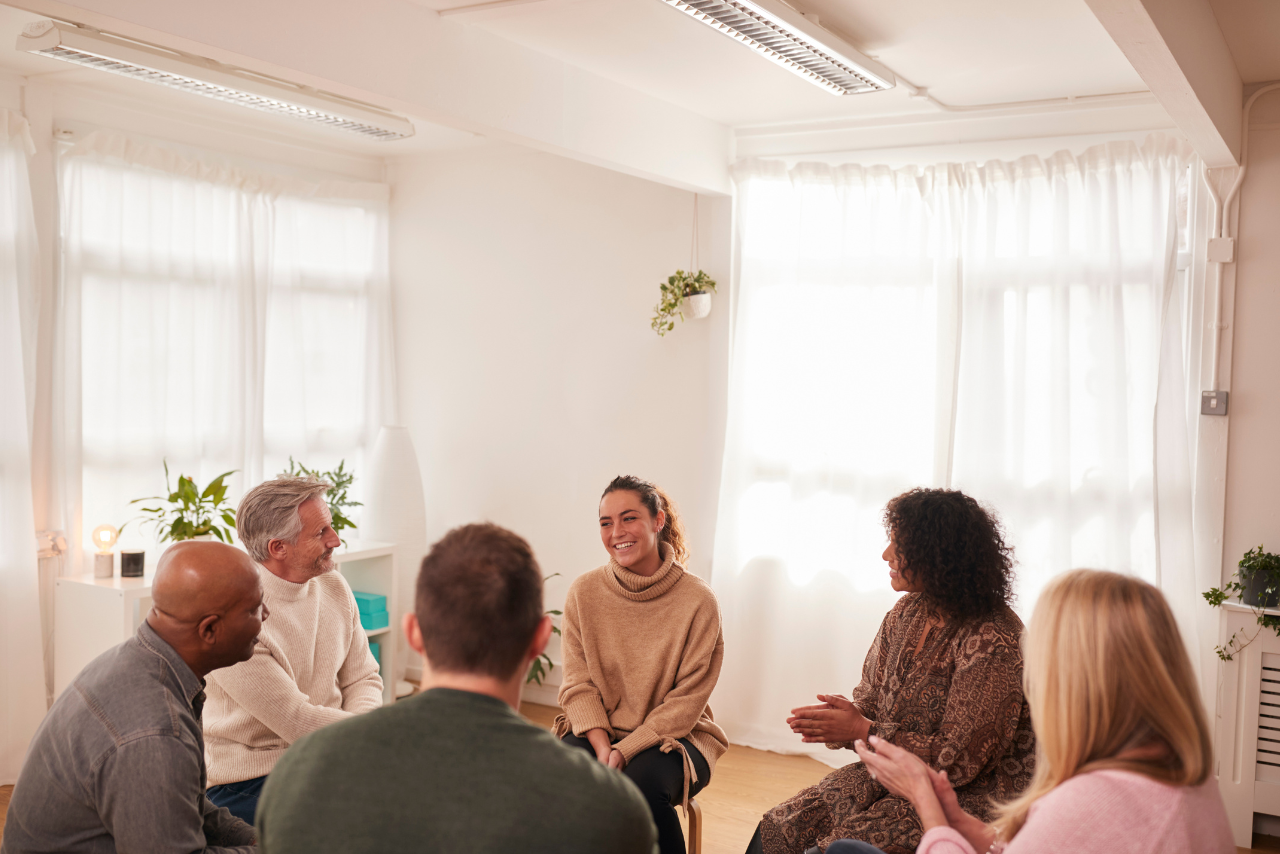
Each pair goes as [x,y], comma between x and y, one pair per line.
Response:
[1257,582]
[681,294]
[337,497]
[542,665]
[189,512]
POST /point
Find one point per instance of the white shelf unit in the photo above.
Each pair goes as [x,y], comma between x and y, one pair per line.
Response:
[1247,737]
[91,615]
[370,567]
[94,614]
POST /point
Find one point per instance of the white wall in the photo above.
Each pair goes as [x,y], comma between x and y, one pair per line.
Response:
[528,375]
[1253,454]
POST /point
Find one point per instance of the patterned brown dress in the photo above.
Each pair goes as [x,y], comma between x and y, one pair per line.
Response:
[956,703]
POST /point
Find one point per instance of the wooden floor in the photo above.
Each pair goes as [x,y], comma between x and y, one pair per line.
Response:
[747,782]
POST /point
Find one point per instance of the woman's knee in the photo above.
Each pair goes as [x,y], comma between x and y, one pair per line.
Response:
[659,776]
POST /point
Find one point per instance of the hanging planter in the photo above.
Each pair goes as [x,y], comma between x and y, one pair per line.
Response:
[687,295]
[684,294]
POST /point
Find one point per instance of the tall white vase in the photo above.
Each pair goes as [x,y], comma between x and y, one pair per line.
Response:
[395,511]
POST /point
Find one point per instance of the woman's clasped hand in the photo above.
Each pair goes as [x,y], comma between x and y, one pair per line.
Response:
[836,720]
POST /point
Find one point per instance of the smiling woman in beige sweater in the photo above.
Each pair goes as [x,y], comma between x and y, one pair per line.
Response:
[642,652]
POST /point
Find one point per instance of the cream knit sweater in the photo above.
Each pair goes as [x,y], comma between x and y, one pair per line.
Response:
[312,666]
[641,658]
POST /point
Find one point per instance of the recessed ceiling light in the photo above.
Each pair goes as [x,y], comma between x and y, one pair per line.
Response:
[782,34]
[199,76]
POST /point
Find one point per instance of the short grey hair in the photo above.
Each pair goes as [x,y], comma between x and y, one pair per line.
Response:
[269,512]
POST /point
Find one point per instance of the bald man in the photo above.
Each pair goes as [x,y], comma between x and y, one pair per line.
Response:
[118,764]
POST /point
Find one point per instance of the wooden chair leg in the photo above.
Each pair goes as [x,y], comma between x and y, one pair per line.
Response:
[695,827]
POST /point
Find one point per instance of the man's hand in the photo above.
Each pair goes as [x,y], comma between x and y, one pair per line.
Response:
[836,719]
[599,739]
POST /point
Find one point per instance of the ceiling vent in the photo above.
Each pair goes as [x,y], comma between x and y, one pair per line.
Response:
[798,44]
[199,76]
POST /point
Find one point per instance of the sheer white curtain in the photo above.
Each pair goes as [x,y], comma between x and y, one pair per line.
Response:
[995,329]
[219,318]
[21,660]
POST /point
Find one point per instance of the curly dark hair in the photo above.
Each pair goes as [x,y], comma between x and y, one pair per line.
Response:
[954,548]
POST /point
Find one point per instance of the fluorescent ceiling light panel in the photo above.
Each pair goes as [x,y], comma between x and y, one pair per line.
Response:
[782,34]
[199,76]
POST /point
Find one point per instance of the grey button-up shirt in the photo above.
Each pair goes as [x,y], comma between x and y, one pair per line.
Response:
[118,764]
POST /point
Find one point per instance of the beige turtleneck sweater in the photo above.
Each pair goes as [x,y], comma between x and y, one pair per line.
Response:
[311,667]
[641,657]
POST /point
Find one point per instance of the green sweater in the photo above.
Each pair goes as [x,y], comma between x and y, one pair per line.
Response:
[447,771]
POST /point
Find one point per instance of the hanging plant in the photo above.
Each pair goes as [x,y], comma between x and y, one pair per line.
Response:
[679,293]
[1257,582]
[685,294]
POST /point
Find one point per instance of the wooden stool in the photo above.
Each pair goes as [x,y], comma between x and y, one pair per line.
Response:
[695,827]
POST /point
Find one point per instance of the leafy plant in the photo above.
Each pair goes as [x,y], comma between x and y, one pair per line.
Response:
[1256,566]
[189,512]
[672,294]
[337,497]
[541,666]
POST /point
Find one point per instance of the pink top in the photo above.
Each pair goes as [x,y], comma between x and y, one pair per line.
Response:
[1116,812]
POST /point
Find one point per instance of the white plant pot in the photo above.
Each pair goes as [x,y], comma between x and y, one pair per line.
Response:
[697,306]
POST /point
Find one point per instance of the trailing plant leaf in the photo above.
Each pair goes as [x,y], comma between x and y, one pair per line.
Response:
[189,512]
[1255,565]
[542,666]
[671,294]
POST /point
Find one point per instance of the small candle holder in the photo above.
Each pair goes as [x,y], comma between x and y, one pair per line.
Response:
[132,563]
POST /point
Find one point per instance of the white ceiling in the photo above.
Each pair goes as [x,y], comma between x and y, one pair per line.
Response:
[1252,31]
[196,109]
[964,51]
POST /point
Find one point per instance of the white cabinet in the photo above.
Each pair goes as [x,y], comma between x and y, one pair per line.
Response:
[91,615]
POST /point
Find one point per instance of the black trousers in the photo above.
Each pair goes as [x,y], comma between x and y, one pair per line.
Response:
[660,778]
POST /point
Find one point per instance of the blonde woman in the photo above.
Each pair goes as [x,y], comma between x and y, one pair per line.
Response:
[1124,755]
[642,652]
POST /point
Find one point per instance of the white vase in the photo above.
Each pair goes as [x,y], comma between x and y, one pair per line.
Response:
[697,305]
[395,511]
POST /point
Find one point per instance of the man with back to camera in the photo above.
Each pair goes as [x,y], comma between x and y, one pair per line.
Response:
[456,768]
[312,665]
[118,763]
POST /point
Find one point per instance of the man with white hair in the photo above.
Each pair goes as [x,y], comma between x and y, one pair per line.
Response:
[312,665]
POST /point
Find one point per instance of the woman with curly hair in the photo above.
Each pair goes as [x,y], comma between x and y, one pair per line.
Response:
[943,680]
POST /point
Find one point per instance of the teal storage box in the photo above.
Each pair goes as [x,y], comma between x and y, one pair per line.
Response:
[370,603]
[376,649]
[373,622]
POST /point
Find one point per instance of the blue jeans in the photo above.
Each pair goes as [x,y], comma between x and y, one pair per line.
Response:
[241,798]
[852,846]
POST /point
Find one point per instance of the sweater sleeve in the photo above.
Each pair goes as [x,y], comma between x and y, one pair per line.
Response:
[944,840]
[696,678]
[983,706]
[265,690]
[579,697]
[358,678]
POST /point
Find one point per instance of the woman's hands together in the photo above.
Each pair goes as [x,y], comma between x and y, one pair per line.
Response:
[836,719]
[904,774]
[606,753]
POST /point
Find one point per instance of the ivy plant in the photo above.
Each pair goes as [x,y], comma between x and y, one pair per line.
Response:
[337,496]
[1256,566]
[541,666]
[671,297]
[189,511]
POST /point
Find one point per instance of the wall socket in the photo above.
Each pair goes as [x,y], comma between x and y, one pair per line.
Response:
[1213,402]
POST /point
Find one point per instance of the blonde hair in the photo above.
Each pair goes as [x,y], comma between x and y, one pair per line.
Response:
[269,512]
[1105,670]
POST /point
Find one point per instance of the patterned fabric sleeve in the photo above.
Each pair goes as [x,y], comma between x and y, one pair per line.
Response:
[873,667]
[981,706]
